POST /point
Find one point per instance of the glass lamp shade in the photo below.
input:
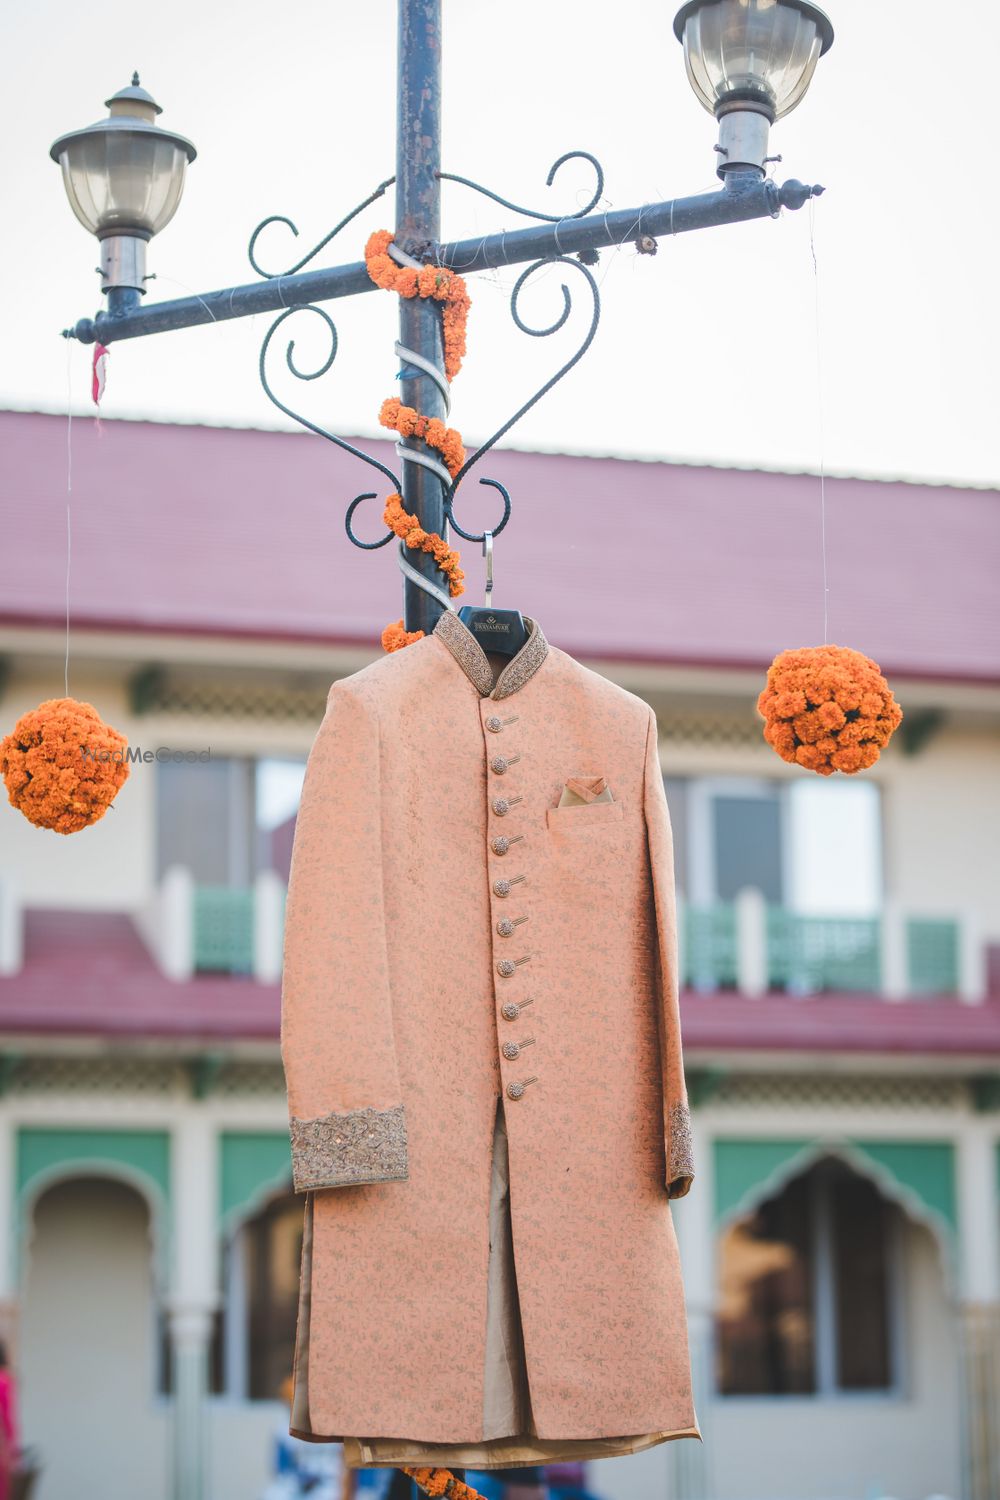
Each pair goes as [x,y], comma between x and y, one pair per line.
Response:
[752,54]
[124,175]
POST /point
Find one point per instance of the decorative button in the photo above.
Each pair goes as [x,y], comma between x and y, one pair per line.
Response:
[516,1090]
[510,1011]
[501,887]
[502,805]
[506,966]
[502,843]
[499,764]
[513,1049]
[493,724]
[505,926]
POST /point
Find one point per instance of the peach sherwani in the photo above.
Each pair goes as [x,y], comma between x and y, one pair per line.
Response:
[483,1286]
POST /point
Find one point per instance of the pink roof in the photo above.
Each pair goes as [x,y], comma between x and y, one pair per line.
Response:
[89,974]
[230,531]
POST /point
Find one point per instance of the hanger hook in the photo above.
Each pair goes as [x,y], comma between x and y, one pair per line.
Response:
[488,554]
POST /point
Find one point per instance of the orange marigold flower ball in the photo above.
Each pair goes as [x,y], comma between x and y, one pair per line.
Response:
[395,636]
[62,765]
[827,708]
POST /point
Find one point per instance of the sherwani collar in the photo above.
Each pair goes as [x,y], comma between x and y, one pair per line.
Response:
[473,660]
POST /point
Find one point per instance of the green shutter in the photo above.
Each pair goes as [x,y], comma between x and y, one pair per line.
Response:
[145,1153]
[923,1169]
[253,1165]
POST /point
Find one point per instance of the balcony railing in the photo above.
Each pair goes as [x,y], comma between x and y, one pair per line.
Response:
[223,930]
[753,946]
[747,945]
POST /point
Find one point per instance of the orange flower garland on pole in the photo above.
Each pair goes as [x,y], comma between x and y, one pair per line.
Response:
[62,765]
[449,289]
[828,708]
[442,1482]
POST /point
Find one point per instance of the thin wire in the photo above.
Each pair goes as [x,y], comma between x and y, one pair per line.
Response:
[69,489]
[819,406]
[162,276]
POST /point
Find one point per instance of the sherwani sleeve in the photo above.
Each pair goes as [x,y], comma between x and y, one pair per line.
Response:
[346,1114]
[660,843]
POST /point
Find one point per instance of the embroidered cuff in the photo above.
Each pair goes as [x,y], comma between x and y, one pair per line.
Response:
[362,1145]
[680,1160]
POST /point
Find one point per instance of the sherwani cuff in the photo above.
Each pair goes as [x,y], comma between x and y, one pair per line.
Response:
[344,1150]
[680,1158]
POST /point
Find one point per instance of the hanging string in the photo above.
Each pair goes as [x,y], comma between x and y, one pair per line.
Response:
[820,410]
[69,491]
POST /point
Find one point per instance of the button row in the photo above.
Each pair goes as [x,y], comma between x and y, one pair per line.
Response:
[505,927]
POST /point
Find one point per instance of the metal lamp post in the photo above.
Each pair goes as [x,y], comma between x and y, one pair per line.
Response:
[749,61]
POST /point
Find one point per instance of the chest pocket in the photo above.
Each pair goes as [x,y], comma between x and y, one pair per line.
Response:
[587,819]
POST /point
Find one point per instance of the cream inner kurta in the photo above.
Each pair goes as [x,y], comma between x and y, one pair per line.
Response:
[509,1438]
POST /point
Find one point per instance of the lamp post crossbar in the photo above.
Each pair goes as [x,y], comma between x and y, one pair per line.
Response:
[732,204]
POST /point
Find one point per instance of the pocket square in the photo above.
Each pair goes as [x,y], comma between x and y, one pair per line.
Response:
[579,791]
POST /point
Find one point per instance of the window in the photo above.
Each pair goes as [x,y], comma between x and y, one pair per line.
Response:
[807,1290]
[813,848]
[226,818]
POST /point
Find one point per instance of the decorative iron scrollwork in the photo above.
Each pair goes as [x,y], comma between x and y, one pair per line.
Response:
[283,219]
[531,213]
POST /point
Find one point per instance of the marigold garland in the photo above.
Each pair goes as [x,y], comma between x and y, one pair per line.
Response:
[827,708]
[62,765]
[449,289]
[438,1482]
[408,422]
[426,281]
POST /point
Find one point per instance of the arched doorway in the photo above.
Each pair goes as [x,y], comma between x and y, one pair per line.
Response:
[833,1315]
[88,1352]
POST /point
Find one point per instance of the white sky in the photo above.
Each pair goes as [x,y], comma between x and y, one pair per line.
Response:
[705,352]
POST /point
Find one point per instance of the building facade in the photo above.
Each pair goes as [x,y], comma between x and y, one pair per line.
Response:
[839,952]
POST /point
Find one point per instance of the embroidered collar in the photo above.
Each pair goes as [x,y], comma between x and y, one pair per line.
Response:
[474,662]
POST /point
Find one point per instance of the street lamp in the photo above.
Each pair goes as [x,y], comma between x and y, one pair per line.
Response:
[750,62]
[124,177]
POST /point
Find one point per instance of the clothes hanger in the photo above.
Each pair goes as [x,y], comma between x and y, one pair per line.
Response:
[499,630]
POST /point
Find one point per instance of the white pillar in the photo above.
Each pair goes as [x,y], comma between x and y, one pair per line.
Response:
[268,926]
[978,1217]
[8,1228]
[695,1226]
[176,923]
[979,1307]
[971,959]
[194,1293]
[895,963]
[11,927]
[751,942]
